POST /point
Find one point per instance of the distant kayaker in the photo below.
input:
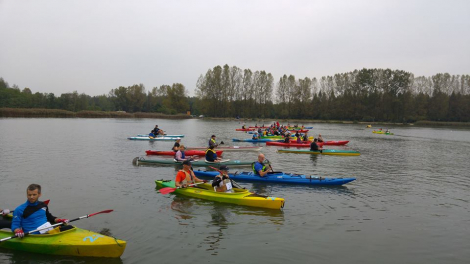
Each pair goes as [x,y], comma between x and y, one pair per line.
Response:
[255,136]
[33,214]
[320,139]
[287,138]
[297,134]
[186,176]
[176,146]
[212,142]
[156,130]
[314,146]
[180,155]
[211,155]
[305,138]
[222,182]
[259,168]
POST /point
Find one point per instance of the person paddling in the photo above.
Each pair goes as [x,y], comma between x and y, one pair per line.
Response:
[180,154]
[186,176]
[212,142]
[259,168]
[34,214]
[320,139]
[222,182]
[314,146]
[211,155]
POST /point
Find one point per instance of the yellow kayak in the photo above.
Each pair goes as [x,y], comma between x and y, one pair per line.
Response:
[72,242]
[240,196]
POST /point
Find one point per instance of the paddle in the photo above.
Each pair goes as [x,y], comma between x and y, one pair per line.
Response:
[269,163]
[168,190]
[234,183]
[58,224]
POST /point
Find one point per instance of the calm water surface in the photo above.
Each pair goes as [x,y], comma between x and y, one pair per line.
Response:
[409,204]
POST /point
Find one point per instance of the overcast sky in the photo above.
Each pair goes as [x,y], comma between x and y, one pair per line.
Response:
[93,46]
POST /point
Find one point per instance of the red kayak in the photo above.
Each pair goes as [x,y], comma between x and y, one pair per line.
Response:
[258,127]
[300,131]
[292,144]
[244,129]
[336,143]
[187,152]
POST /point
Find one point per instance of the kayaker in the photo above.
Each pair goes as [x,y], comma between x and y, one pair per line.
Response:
[186,176]
[255,136]
[180,155]
[222,182]
[211,155]
[314,146]
[297,134]
[33,214]
[212,142]
[5,223]
[287,138]
[259,168]
[176,146]
[305,138]
[320,139]
[156,130]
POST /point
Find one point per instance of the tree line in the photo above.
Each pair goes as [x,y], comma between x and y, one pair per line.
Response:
[224,91]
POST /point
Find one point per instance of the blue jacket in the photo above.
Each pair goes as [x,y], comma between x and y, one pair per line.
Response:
[30,216]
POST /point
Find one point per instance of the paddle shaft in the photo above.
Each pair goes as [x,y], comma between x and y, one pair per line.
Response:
[233,182]
[58,224]
[168,190]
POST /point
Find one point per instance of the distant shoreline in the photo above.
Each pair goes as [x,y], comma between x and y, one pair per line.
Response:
[58,113]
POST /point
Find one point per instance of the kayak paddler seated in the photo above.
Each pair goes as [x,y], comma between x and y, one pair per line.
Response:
[157,131]
[180,155]
[314,146]
[176,146]
[255,136]
[287,138]
[259,168]
[186,176]
[211,155]
[212,142]
[222,182]
[34,214]
[320,139]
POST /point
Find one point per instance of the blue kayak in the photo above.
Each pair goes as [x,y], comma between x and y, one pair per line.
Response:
[278,177]
[255,140]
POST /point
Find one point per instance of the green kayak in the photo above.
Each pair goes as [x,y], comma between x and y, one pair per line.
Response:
[201,163]
[337,152]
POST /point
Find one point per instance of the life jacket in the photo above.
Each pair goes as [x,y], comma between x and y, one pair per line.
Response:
[185,181]
[254,170]
[209,152]
[228,184]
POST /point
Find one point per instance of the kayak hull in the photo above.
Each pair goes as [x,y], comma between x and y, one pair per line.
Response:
[146,135]
[187,152]
[292,144]
[279,177]
[254,140]
[73,242]
[200,163]
[240,196]
[335,152]
[244,129]
[382,132]
[153,139]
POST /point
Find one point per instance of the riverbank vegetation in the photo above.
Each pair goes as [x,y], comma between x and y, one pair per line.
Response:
[367,95]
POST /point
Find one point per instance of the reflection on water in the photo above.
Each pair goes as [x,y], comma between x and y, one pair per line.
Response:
[219,215]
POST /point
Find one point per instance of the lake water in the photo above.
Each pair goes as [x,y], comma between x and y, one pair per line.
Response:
[409,204]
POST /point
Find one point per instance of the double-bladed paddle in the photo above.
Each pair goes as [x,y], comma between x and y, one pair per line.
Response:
[168,190]
[58,224]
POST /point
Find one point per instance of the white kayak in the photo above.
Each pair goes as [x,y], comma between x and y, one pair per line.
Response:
[153,139]
[146,135]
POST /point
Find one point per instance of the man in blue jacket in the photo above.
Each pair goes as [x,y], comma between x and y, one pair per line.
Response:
[33,214]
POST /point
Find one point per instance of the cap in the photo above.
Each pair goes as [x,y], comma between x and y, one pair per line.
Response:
[223,167]
[186,162]
[213,136]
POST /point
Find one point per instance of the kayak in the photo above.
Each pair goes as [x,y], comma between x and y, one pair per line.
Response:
[292,144]
[295,128]
[292,137]
[72,242]
[278,177]
[240,196]
[203,163]
[146,135]
[186,153]
[153,139]
[244,129]
[382,132]
[254,140]
[264,127]
[300,131]
[337,152]
[230,148]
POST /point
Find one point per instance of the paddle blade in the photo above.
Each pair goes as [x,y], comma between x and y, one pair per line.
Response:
[102,212]
[47,202]
[167,190]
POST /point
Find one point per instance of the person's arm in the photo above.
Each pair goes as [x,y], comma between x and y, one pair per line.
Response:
[178,156]
[16,222]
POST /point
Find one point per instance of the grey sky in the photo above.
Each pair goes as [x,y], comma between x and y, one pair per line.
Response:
[92,46]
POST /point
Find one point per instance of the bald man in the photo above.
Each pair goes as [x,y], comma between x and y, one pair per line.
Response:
[259,168]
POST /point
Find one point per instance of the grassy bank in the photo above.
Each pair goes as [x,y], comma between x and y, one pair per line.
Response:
[58,113]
